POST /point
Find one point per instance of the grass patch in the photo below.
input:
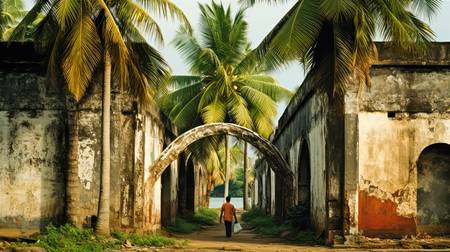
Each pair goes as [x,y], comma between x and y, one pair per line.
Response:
[71,239]
[153,240]
[194,222]
[206,216]
[183,226]
[266,225]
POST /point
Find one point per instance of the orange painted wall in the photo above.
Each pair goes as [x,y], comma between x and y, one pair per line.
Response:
[378,218]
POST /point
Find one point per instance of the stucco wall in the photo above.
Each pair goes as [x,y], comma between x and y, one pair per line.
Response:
[32,140]
[364,152]
[404,111]
[308,125]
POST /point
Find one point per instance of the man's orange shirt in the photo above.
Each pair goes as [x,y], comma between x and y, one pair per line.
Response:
[228,211]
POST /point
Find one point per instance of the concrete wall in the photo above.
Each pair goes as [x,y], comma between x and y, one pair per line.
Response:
[32,147]
[305,124]
[33,140]
[364,152]
[405,110]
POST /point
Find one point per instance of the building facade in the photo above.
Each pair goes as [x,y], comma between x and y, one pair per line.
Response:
[377,161]
[33,152]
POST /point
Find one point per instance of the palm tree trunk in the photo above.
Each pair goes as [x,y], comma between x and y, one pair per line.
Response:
[246,176]
[73,183]
[227,168]
[103,209]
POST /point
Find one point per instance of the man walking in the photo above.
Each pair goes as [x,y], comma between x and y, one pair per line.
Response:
[227,212]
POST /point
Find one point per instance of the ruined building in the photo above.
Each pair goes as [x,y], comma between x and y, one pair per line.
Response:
[376,164]
[33,151]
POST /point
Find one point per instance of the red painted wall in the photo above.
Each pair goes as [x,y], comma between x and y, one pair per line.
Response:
[378,218]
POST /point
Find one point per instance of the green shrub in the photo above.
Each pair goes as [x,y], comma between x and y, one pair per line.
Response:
[298,216]
[266,225]
[305,237]
[205,216]
[154,240]
[69,238]
[193,222]
[183,226]
[253,213]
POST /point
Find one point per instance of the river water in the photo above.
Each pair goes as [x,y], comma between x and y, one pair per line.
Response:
[216,202]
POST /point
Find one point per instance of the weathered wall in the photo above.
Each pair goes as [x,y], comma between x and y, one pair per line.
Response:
[33,136]
[364,153]
[32,140]
[393,132]
[388,125]
[433,195]
[305,123]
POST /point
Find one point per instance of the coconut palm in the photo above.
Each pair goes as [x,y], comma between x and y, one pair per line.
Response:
[81,36]
[211,153]
[336,37]
[222,88]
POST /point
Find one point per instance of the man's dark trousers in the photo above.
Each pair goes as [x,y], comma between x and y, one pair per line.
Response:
[228,228]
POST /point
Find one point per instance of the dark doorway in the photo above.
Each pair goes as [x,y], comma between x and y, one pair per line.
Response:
[433,194]
[165,198]
[190,186]
[304,180]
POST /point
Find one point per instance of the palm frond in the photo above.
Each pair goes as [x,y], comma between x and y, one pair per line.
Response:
[166,9]
[41,6]
[238,110]
[68,11]
[214,112]
[427,7]
[81,56]
[293,36]
[131,14]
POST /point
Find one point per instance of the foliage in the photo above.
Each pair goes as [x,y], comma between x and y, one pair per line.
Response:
[69,238]
[183,226]
[154,240]
[335,39]
[76,33]
[10,13]
[193,222]
[299,217]
[206,216]
[266,225]
[220,88]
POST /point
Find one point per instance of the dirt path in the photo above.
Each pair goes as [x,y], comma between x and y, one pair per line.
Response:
[213,239]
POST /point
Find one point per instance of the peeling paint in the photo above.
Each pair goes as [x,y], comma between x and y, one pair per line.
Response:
[86,159]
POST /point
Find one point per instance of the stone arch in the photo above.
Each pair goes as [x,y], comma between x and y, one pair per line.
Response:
[271,153]
[433,197]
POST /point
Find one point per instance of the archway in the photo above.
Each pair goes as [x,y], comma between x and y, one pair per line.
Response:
[273,156]
[433,195]
[304,182]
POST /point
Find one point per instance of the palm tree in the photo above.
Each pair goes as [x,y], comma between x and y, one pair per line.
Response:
[82,35]
[335,38]
[10,13]
[223,87]
[211,153]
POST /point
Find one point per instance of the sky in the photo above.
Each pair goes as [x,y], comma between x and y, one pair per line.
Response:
[261,18]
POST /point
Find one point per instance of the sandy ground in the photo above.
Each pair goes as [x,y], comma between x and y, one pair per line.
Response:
[214,239]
